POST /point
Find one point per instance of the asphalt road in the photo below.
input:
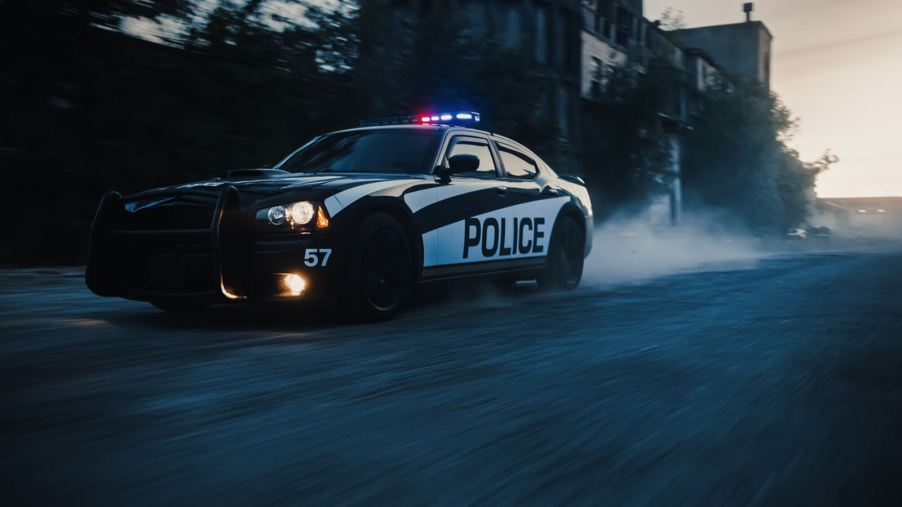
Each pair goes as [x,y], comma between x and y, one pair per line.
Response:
[776,383]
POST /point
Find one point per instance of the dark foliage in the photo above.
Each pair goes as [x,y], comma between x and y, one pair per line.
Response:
[737,159]
[94,109]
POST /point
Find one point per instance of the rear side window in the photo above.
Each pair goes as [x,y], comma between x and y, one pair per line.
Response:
[517,165]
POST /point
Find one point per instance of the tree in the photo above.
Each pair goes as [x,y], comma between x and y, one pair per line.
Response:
[737,158]
[97,108]
[672,19]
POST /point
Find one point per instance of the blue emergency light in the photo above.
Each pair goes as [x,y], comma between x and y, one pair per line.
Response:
[461,118]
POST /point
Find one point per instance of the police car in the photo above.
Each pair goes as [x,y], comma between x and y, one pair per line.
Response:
[355,217]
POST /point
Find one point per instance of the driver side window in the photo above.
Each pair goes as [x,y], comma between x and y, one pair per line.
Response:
[474,146]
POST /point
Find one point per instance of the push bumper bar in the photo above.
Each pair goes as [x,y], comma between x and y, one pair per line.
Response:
[119,257]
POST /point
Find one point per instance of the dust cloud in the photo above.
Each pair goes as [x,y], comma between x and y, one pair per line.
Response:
[640,247]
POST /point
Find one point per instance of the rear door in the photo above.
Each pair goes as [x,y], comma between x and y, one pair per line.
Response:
[532,206]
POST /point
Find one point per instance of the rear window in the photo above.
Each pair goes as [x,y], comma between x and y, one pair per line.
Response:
[517,165]
[376,151]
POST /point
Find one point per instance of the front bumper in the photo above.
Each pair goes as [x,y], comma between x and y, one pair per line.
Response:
[226,262]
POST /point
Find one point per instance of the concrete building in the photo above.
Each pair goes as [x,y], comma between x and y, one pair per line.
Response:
[617,37]
[861,216]
[615,34]
[742,50]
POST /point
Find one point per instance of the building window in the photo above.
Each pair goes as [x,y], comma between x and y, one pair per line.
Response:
[541,35]
[476,16]
[625,23]
[571,42]
[512,28]
[596,76]
[563,113]
[560,35]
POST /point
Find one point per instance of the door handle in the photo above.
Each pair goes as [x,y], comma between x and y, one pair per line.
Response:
[551,191]
[501,190]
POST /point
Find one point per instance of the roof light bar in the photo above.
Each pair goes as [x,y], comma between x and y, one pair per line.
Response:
[459,118]
[448,118]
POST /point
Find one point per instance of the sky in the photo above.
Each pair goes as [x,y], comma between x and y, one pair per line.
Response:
[837,64]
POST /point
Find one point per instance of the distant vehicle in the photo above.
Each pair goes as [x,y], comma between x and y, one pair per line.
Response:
[353,218]
[796,233]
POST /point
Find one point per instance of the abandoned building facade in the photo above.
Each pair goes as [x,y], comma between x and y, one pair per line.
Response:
[582,44]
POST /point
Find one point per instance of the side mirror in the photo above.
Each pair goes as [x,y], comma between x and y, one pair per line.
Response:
[463,163]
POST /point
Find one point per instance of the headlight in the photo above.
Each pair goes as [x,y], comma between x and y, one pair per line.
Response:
[300,213]
[294,215]
[276,215]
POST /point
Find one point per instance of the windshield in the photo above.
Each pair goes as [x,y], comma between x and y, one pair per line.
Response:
[374,151]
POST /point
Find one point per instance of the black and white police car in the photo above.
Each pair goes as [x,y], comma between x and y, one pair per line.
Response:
[354,217]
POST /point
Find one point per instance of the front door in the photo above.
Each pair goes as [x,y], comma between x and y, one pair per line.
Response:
[473,219]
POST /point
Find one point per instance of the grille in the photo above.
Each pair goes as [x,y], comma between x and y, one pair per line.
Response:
[164,262]
[175,217]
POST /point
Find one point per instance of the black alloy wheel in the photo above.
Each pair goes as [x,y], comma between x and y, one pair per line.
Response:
[565,256]
[380,276]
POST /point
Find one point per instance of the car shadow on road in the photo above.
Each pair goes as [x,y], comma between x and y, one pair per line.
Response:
[436,300]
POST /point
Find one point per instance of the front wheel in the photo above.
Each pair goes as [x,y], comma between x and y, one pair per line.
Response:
[565,256]
[380,271]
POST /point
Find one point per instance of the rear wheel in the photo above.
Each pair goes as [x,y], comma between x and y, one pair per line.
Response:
[380,269]
[565,256]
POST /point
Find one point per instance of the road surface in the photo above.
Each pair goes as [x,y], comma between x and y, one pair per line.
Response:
[776,383]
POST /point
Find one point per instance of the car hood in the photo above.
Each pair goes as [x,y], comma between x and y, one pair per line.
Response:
[269,188]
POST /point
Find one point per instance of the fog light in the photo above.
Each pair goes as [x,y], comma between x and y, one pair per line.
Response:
[295,284]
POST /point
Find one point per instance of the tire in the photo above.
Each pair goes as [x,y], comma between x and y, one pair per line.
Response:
[380,271]
[565,256]
[180,308]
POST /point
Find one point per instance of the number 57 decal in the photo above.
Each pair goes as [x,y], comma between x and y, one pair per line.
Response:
[317,257]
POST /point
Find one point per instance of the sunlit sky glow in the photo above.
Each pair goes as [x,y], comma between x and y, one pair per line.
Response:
[837,64]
